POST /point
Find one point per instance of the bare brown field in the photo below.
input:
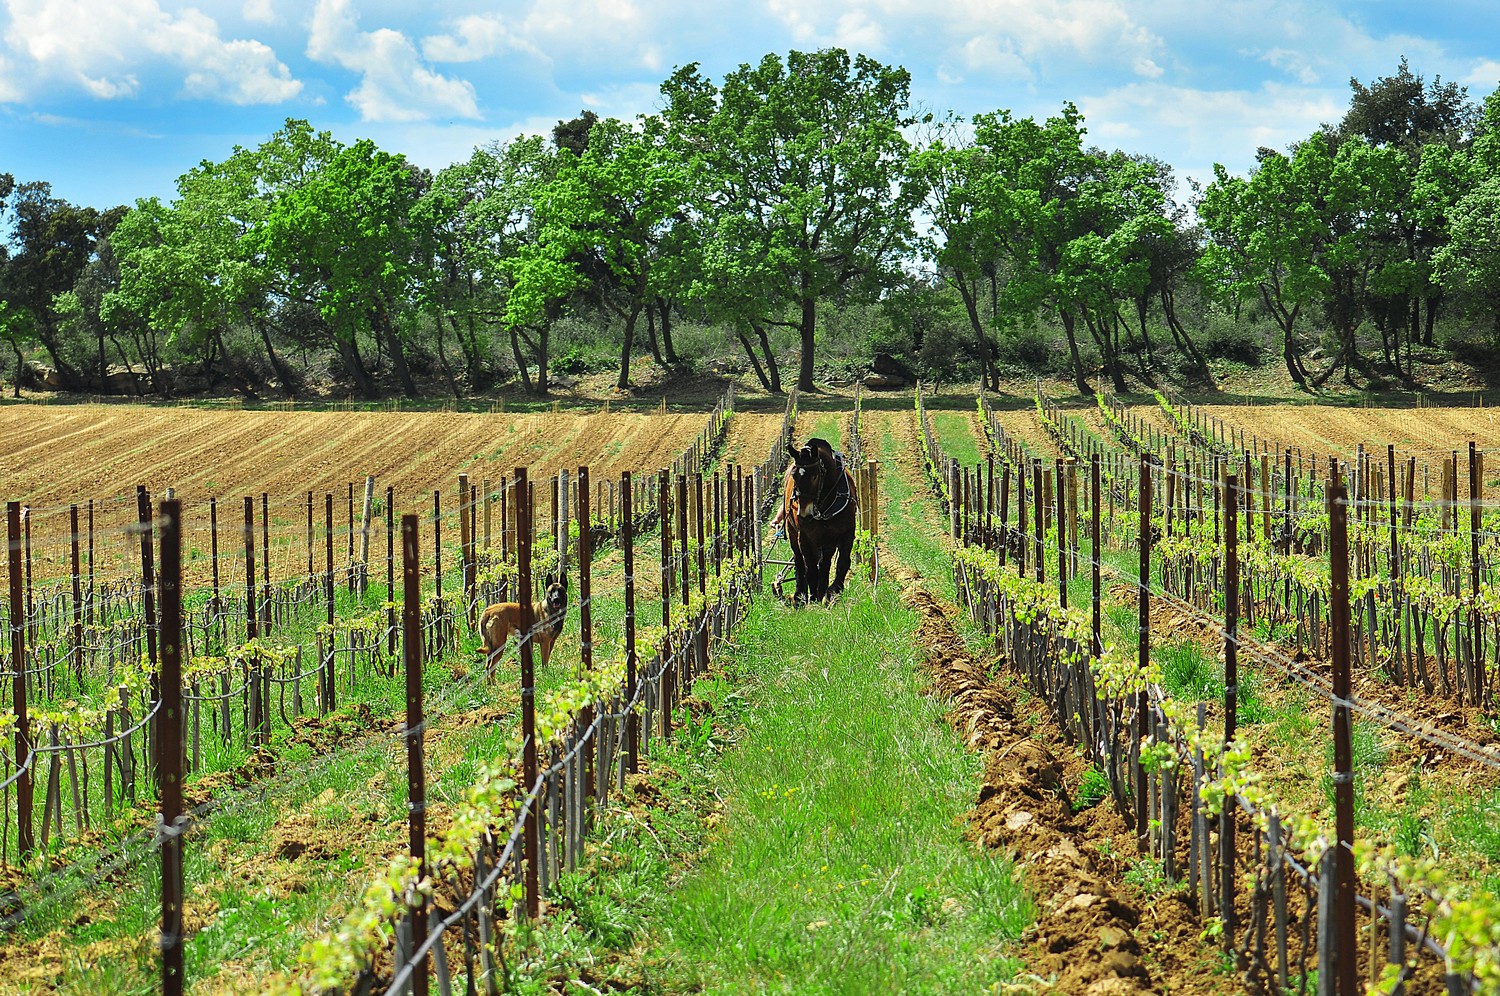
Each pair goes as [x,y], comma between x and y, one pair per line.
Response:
[1426,433]
[751,435]
[49,456]
[1022,424]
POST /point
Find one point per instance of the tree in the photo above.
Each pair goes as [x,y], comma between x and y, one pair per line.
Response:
[17,329]
[1469,262]
[800,170]
[1406,112]
[964,243]
[604,214]
[1303,232]
[52,242]
[345,243]
[483,214]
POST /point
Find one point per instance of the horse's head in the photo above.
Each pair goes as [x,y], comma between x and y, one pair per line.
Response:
[808,474]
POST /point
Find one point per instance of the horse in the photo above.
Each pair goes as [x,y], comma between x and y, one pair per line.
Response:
[820,512]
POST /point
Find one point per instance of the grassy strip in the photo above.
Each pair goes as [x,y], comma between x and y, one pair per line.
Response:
[956,434]
[841,866]
[817,796]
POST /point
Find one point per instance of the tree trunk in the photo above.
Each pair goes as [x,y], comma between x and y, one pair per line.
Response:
[1078,378]
[988,374]
[543,342]
[1289,356]
[283,372]
[668,349]
[20,369]
[651,336]
[760,372]
[772,370]
[1181,338]
[630,319]
[442,352]
[808,329]
[521,364]
[392,338]
[348,349]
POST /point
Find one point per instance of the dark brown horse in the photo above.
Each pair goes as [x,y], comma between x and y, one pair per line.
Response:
[821,511]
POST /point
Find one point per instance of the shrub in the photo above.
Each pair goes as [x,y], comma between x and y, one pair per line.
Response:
[1239,342]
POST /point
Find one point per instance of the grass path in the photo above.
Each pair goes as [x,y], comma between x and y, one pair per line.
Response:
[840,864]
[819,811]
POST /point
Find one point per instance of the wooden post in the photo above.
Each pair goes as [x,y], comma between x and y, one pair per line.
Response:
[627,543]
[1345,966]
[265,563]
[586,615]
[77,596]
[464,538]
[309,535]
[416,777]
[1039,506]
[364,534]
[169,743]
[351,537]
[1143,660]
[1231,700]
[330,699]
[531,837]
[390,569]
[213,538]
[25,841]
[252,623]
[148,592]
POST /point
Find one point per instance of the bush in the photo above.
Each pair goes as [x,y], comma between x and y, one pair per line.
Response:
[1238,342]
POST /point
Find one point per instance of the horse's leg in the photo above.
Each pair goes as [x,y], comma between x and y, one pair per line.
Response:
[800,569]
[846,551]
[820,575]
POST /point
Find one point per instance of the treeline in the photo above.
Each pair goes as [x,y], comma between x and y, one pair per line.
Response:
[758,207]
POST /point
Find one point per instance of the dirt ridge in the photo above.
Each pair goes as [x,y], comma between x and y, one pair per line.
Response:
[1095,934]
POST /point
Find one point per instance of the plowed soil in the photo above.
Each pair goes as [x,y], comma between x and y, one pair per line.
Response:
[1094,935]
[751,436]
[1023,425]
[51,456]
[1426,433]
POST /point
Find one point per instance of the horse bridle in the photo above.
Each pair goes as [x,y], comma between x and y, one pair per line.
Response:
[820,514]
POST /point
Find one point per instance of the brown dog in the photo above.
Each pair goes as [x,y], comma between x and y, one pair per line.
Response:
[499,621]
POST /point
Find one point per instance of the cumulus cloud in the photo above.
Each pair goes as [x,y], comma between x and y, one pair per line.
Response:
[1013,39]
[478,36]
[105,49]
[259,12]
[394,84]
[1193,129]
[1483,77]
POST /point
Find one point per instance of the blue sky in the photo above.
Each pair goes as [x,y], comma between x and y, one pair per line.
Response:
[111,100]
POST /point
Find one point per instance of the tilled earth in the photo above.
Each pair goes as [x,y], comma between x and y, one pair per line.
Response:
[1095,934]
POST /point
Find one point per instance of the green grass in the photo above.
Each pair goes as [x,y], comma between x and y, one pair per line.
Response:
[841,865]
[955,434]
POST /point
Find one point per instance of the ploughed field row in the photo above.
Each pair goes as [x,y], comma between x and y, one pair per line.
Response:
[55,455]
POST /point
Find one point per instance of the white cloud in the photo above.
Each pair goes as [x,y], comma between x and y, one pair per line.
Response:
[105,49]
[1483,78]
[1193,129]
[260,12]
[395,85]
[1014,39]
[475,37]
[1294,64]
